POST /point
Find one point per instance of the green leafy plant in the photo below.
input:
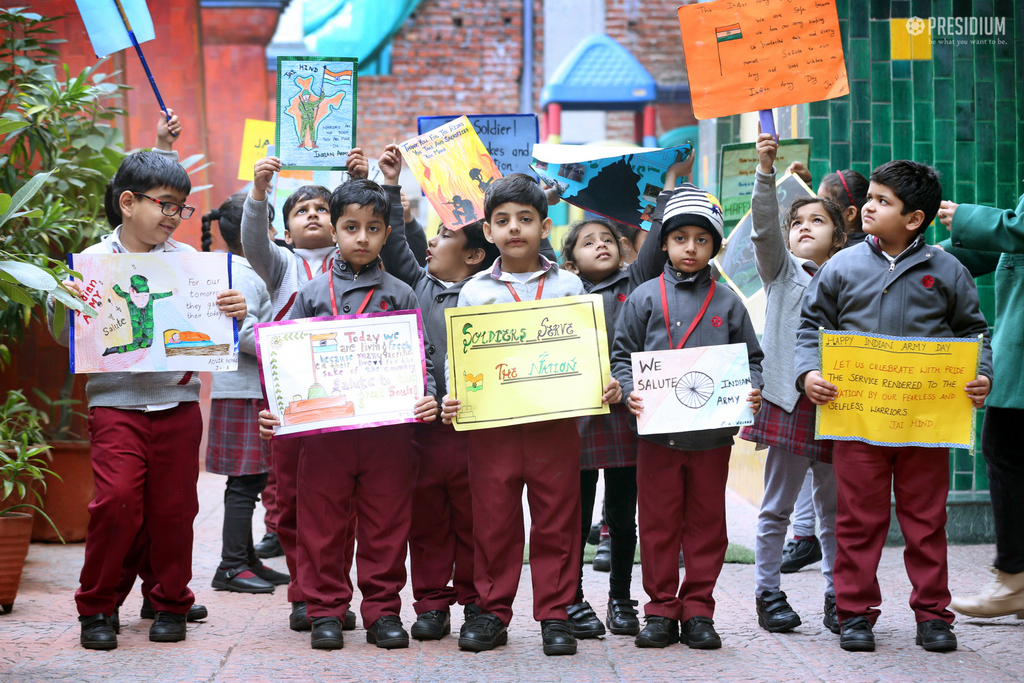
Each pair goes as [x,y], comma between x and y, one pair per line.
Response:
[22,454]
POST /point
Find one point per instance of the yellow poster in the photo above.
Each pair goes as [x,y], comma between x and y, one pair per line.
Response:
[898,391]
[527,362]
[255,139]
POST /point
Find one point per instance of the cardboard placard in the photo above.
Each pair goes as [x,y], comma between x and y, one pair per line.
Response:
[316,111]
[257,138]
[736,168]
[509,138]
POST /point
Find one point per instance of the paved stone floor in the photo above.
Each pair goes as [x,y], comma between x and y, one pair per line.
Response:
[246,636]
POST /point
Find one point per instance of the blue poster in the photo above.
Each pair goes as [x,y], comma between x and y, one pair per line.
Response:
[106,29]
[509,138]
[316,111]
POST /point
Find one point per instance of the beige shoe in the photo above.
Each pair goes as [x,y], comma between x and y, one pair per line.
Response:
[1003,597]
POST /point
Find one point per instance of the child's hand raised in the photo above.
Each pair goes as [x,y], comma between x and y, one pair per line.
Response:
[612,392]
[754,399]
[73,287]
[635,403]
[449,409]
[390,164]
[267,423]
[767,150]
[679,169]
[426,409]
[167,131]
[977,390]
[231,303]
[798,169]
[358,168]
[946,211]
[818,389]
[262,174]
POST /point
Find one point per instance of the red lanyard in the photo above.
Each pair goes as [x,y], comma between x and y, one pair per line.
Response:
[323,266]
[540,290]
[664,309]
[334,301]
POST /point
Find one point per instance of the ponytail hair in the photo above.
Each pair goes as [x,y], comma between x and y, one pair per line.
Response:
[229,219]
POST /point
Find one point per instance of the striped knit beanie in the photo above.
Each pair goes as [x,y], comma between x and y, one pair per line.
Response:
[690,205]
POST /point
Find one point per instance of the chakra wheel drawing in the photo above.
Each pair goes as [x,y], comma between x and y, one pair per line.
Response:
[694,389]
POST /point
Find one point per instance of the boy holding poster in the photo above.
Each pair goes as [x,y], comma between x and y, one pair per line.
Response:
[144,431]
[681,477]
[545,456]
[366,468]
[895,284]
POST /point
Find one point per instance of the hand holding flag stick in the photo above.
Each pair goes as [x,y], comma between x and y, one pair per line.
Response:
[142,58]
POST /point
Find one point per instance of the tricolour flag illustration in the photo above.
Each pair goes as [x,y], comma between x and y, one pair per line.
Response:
[474,382]
[338,77]
[730,32]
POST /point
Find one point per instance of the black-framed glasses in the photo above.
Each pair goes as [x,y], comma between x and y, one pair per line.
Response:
[170,208]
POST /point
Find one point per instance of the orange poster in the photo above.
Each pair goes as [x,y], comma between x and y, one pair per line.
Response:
[748,55]
[454,170]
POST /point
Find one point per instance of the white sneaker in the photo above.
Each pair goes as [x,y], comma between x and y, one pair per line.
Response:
[1003,597]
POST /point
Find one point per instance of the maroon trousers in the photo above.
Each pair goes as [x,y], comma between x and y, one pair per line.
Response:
[269,499]
[369,469]
[919,480]
[681,502]
[441,535]
[146,465]
[545,457]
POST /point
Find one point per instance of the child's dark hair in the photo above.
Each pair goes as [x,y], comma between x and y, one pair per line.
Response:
[304,193]
[144,172]
[517,188]
[916,185]
[569,243]
[229,220]
[853,193]
[475,239]
[833,211]
[361,192]
[109,207]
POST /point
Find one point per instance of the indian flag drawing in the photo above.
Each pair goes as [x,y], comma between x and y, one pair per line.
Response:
[338,77]
[724,34]
[474,382]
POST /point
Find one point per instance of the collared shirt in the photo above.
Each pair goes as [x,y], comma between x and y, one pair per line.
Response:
[488,287]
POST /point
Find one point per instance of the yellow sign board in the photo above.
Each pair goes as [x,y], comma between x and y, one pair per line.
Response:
[527,362]
[898,391]
[256,137]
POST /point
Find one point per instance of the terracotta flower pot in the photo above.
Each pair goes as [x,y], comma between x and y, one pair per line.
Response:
[67,501]
[15,535]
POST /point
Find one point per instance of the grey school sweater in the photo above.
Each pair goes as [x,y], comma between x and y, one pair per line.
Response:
[245,382]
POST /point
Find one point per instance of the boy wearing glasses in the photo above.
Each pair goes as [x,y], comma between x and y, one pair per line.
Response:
[144,428]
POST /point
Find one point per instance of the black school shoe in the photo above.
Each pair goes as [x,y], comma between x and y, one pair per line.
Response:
[326,634]
[935,635]
[583,622]
[469,613]
[798,554]
[271,576]
[485,632]
[831,620]
[557,637]
[168,628]
[269,547]
[432,625]
[855,635]
[97,633]
[700,634]
[387,633]
[195,612]
[658,632]
[240,580]
[603,556]
[623,619]
[299,621]
[594,537]
[774,613]
[349,622]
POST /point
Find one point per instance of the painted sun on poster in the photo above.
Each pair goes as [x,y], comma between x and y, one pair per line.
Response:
[316,111]
[157,312]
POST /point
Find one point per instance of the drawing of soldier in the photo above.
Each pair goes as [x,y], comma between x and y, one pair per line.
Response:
[463,211]
[477,175]
[308,110]
[140,312]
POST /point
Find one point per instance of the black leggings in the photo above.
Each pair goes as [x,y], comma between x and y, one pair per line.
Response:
[620,516]
[240,496]
[1000,443]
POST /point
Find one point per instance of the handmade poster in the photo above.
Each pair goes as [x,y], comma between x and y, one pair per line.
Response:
[289,180]
[736,262]
[737,166]
[453,169]
[747,56]
[106,29]
[619,183]
[257,138]
[316,111]
[157,312]
[687,390]
[898,391]
[509,138]
[347,372]
[525,362]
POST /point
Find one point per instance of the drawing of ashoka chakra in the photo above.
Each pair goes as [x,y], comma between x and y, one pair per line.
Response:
[694,389]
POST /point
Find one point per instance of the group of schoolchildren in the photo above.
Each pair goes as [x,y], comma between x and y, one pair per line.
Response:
[454,498]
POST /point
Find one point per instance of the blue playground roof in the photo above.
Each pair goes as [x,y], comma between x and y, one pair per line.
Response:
[600,74]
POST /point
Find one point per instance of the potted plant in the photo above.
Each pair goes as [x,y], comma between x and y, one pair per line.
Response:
[23,471]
